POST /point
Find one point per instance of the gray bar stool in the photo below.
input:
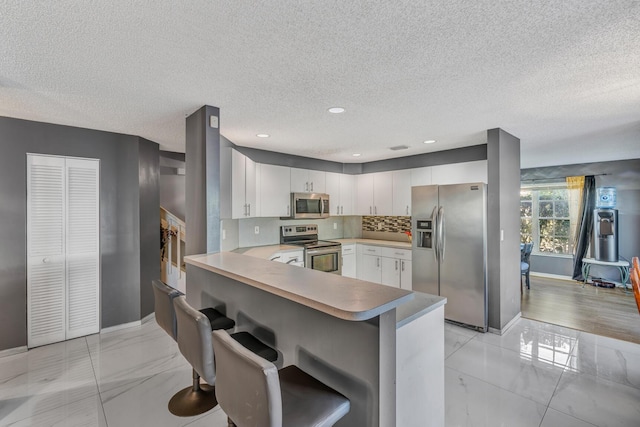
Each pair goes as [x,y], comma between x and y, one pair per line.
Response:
[166,315]
[187,402]
[252,392]
[194,342]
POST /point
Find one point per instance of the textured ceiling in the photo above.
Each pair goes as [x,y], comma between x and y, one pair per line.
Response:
[564,76]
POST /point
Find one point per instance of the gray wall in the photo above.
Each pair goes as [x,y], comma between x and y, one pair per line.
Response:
[149,202]
[622,174]
[458,155]
[503,257]
[202,182]
[119,219]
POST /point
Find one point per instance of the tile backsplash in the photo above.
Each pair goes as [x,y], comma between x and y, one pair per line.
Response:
[389,224]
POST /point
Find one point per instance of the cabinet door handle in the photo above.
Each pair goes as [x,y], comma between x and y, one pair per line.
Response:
[311,185]
[375,210]
[245,209]
[370,210]
[249,205]
[306,186]
[337,210]
[377,262]
[402,265]
[341,210]
[396,265]
[407,209]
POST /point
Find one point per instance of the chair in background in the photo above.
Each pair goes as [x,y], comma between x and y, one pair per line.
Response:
[252,392]
[635,280]
[525,254]
[194,342]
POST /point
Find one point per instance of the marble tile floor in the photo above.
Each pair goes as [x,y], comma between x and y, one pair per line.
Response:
[534,375]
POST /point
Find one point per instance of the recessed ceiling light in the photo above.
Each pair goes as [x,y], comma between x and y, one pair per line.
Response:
[430,141]
[263,135]
[336,110]
[357,155]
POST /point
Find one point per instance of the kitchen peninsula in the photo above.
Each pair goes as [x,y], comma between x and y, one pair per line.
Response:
[381,347]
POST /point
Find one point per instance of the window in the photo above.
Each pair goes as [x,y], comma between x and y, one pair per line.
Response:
[545,219]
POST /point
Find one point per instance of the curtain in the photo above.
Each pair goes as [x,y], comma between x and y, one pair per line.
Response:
[585,227]
[575,188]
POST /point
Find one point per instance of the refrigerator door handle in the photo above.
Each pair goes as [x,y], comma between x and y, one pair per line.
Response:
[442,232]
[436,239]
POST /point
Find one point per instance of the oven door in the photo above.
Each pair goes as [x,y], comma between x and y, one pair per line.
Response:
[328,260]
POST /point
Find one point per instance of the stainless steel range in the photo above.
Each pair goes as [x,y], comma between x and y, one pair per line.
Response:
[322,255]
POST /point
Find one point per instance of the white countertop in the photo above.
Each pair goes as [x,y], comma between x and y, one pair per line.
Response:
[341,297]
[266,252]
[375,242]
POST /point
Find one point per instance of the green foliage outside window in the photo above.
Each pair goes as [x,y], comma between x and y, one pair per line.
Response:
[544,219]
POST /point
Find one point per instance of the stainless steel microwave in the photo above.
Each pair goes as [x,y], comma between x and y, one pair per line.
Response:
[309,205]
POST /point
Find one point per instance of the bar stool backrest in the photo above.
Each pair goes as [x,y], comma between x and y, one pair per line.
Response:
[247,386]
[165,313]
[194,339]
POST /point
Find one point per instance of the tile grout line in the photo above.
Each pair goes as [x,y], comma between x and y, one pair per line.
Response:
[95,377]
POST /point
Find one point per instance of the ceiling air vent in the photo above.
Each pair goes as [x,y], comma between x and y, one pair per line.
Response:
[399,147]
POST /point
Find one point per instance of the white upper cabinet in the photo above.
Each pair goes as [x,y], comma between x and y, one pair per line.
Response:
[243,186]
[307,181]
[374,193]
[275,191]
[364,194]
[383,193]
[460,173]
[340,188]
[421,176]
[347,187]
[402,192]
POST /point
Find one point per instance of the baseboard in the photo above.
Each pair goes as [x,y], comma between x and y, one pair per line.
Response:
[122,326]
[12,351]
[148,317]
[507,326]
[551,276]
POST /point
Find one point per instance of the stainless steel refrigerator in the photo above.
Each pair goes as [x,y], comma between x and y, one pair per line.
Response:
[449,230]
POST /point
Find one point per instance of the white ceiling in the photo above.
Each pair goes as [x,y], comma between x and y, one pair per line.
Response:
[563,76]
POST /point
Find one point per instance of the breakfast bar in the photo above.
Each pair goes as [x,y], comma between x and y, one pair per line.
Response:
[381,347]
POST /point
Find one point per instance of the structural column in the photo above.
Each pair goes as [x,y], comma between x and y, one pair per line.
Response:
[503,228]
[202,197]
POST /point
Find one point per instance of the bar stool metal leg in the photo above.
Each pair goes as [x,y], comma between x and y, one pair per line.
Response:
[194,400]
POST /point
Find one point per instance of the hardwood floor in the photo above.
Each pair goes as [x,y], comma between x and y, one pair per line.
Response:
[609,312]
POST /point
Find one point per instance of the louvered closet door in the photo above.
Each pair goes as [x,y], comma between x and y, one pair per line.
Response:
[63,262]
[46,295]
[83,255]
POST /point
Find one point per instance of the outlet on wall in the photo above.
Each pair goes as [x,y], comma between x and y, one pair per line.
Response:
[224,234]
[257,230]
[335,225]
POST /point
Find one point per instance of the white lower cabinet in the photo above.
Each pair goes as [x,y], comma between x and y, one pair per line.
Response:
[385,265]
[396,267]
[369,266]
[405,275]
[290,257]
[349,261]
[390,272]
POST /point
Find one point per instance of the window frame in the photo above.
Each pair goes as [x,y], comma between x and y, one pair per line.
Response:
[535,217]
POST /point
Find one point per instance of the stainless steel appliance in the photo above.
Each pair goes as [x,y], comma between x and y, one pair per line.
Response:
[309,205]
[322,255]
[605,234]
[449,248]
